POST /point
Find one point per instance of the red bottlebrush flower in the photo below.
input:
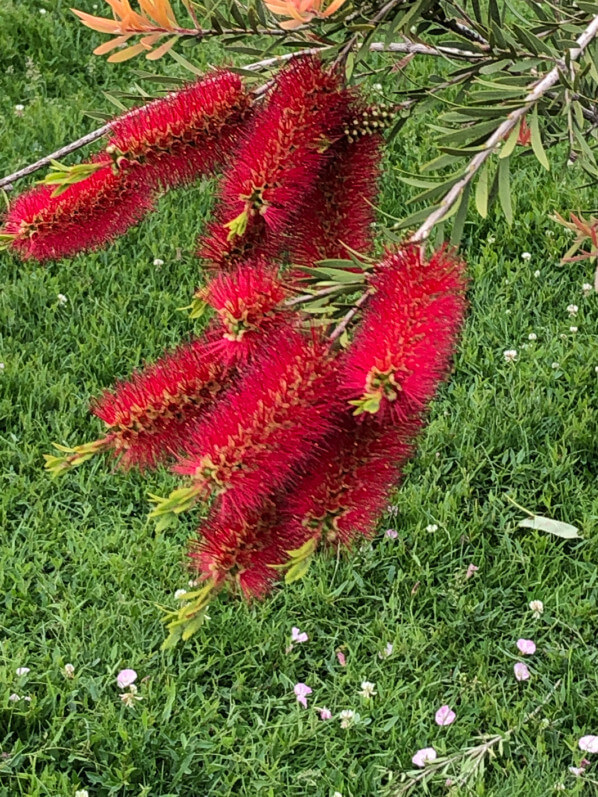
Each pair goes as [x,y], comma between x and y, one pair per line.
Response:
[249,304]
[89,214]
[262,429]
[403,346]
[278,163]
[149,416]
[239,550]
[339,209]
[184,135]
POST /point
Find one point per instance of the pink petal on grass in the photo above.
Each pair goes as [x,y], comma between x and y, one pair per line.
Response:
[325,714]
[126,678]
[589,744]
[521,671]
[391,533]
[301,693]
[526,646]
[297,635]
[341,658]
[445,716]
[424,756]
[471,569]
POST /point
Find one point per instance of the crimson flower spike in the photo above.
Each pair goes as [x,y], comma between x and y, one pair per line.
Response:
[185,135]
[404,344]
[250,311]
[148,417]
[339,209]
[89,214]
[278,163]
[261,430]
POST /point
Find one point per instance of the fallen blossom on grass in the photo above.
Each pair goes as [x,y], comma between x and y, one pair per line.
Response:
[521,671]
[431,528]
[301,693]
[424,756]
[325,713]
[537,608]
[341,658]
[367,689]
[22,671]
[471,570]
[69,671]
[391,534]
[526,646]
[126,678]
[445,716]
[589,744]
[298,636]
[347,718]
[386,652]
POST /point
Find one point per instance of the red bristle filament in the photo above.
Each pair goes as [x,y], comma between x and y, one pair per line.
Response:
[278,163]
[263,429]
[403,347]
[249,304]
[185,135]
[89,214]
[339,210]
[149,416]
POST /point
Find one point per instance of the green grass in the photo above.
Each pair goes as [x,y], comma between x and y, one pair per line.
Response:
[81,569]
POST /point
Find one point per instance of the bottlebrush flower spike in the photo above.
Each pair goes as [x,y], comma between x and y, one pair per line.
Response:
[149,416]
[339,209]
[279,161]
[262,429]
[188,133]
[404,344]
[89,214]
[249,303]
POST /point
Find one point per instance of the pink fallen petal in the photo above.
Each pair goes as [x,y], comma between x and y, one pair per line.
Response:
[526,646]
[445,716]
[521,671]
[301,693]
[471,570]
[391,533]
[126,678]
[589,744]
[297,635]
[341,658]
[325,714]
[424,756]
[577,771]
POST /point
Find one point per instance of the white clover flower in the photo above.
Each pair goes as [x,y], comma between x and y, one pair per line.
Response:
[572,309]
[573,329]
[69,671]
[43,11]
[347,718]
[367,690]
[2,366]
[431,527]
[129,698]
[537,608]
[179,594]
[82,793]
[532,336]
[491,239]
[510,355]
[587,289]
[22,671]
[158,262]
[62,298]
[537,272]
[19,108]
[377,86]
[14,698]
[526,256]
[555,366]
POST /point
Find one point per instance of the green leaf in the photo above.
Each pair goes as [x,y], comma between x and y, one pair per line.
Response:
[564,530]
[511,142]
[297,571]
[459,222]
[537,140]
[504,189]
[481,192]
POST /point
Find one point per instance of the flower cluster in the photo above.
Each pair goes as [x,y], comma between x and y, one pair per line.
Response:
[294,440]
[168,142]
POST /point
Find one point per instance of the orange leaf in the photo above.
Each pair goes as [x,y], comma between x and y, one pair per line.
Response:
[128,52]
[98,23]
[149,41]
[162,50]
[160,11]
[111,45]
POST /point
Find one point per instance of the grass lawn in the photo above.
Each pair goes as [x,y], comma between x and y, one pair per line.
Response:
[82,569]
